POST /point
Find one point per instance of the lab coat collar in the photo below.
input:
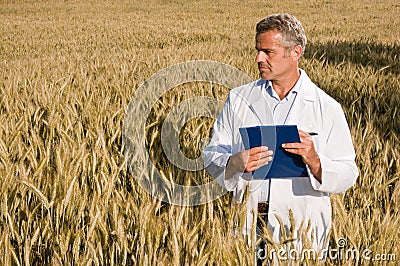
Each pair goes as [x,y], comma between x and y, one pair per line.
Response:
[305,100]
[306,89]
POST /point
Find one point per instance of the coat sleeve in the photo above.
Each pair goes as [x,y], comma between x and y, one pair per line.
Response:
[220,148]
[339,171]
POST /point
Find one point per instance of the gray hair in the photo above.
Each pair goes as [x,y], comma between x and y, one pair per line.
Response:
[289,26]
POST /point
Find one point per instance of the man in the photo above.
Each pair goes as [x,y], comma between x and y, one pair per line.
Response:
[284,96]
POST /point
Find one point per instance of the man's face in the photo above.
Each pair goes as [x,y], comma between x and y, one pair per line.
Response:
[272,61]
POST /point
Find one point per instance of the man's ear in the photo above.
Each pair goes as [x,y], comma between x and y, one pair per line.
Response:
[296,52]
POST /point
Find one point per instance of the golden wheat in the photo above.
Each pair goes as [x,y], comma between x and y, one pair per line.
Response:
[68,70]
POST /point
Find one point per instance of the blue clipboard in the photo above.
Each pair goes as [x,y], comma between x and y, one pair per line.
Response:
[283,164]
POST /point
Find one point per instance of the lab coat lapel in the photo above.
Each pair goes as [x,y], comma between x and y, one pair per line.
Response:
[303,106]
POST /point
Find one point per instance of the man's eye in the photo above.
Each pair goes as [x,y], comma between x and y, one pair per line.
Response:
[266,51]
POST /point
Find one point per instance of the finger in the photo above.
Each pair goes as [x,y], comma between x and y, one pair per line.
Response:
[305,137]
[260,156]
[256,150]
[303,133]
[257,164]
[265,161]
[293,145]
[295,151]
[254,160]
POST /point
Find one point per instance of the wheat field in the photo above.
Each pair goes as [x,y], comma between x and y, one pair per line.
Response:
[68,70]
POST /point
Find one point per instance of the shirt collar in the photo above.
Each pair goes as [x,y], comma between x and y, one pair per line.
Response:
[268,87]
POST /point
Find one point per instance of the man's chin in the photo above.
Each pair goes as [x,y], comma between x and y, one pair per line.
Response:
[264,76]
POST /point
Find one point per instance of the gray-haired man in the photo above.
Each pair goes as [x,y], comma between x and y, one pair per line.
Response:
[284,95]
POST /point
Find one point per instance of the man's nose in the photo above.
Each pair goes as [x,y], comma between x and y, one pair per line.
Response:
[260,57]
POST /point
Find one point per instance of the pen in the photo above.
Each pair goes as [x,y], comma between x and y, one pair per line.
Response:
[313,133]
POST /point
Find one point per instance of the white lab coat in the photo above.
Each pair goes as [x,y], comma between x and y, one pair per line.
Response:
[312,111]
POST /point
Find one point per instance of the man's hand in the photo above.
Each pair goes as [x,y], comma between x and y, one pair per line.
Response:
[249,160]
[307,151]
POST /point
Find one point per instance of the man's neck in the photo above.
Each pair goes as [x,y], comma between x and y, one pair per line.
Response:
[284,86]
